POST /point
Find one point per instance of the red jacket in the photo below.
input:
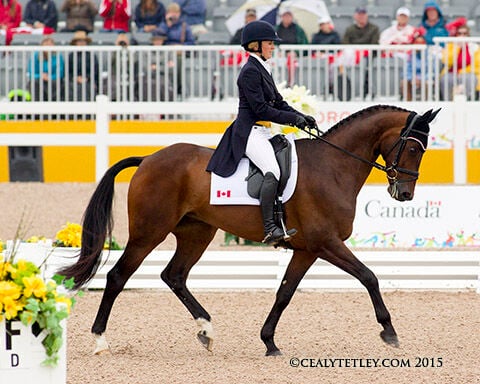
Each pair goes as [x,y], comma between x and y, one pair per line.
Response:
[8,19]
[116,14]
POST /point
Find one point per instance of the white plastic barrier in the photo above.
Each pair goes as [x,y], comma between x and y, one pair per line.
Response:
[264,269]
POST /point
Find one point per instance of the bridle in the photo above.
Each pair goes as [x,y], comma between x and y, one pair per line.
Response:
[392,170]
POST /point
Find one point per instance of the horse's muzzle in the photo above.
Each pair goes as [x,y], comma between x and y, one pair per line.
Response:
[400,192]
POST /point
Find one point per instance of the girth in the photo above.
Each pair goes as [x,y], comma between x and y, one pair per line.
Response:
[283,153]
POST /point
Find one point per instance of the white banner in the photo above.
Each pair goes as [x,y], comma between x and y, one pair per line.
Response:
[437,217]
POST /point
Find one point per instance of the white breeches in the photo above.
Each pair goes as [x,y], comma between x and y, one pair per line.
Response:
[260,151]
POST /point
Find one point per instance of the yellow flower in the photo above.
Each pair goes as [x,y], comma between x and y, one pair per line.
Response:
[11,308]
[34,285]
[70,235]
[8,289]
[66,301]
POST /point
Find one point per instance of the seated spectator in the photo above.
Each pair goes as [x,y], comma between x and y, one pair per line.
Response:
[83,70]
[157,75]
[177,30]
[178,33]
[457,76]
[401,32]
[46,71]
[417,71]
[362,31]
[80,15]
[116,15]
[326,33]
[40,14]
[10,15]
[433,22]
[194,13]
[289,31]
[123,71]
[149,14]
[250,15]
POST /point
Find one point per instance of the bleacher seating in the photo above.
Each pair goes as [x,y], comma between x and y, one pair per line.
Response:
[213,37]
[26,39]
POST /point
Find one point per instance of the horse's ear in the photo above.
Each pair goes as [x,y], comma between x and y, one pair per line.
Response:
[433,115]
[426,116]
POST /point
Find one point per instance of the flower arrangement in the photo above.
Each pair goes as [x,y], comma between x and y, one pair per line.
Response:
[300,99]
[71,236]
[26,296]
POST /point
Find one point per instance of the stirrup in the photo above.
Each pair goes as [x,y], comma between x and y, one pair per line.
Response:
[284,235]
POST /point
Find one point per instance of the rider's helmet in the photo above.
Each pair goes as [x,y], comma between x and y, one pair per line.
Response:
[258,30]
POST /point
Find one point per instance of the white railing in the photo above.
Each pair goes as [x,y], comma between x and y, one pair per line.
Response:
[166,73]
[456,119]
[263,269]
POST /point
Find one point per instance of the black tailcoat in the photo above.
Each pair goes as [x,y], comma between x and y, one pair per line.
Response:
[259,100]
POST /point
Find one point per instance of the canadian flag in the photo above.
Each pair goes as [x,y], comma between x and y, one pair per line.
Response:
[221,193]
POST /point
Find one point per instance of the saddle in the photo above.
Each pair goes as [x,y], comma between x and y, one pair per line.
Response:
[283,154]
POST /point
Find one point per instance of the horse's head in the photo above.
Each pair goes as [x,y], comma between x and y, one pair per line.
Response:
[403,154]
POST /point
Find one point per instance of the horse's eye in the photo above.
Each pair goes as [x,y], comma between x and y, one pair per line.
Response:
[413,150]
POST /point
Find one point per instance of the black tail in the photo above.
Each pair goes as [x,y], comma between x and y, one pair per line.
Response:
[97,225]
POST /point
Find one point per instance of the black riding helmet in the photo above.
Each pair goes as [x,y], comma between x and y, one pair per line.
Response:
[258,30]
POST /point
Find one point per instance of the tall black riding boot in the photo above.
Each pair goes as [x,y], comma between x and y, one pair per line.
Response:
[268,193]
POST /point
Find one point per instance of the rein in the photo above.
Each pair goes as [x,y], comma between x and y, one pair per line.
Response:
[387,169]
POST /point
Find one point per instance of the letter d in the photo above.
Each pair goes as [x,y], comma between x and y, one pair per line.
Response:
[14,360]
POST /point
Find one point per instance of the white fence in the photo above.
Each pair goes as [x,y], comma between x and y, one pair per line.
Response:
[459,115]
[264,269]
[181,73]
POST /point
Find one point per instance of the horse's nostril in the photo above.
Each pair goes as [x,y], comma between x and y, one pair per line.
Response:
[407,196]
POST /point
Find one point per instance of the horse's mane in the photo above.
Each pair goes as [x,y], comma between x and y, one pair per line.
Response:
[362,113]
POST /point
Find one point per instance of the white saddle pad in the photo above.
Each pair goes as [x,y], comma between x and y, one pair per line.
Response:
[232,190]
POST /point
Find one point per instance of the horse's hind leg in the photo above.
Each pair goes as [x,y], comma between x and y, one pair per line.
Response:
[117,277]
[193,238]
[342,257]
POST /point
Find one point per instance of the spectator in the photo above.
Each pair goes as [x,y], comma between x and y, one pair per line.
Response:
[123,71]
[157,74]
[40,14]
[194,12]
[326,33]
[10,15]
[250,15]
[433,22]
[417,73]
[80,15]
[116,15]
[458,76]
[177,30]
[401,32]
[288,31]
[362,32]
[149,14]
[46,71]
[178,33]
[83,70]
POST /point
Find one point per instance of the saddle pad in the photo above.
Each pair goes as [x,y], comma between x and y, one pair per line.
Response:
[232,190]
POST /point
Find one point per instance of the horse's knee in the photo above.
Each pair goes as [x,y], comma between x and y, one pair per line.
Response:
[175,282]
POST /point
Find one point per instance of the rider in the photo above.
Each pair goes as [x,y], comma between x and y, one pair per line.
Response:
[260,103]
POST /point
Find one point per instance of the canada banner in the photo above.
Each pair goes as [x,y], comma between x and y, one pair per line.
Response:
[224,193]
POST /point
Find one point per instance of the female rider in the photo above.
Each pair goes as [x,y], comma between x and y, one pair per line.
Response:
[260,103]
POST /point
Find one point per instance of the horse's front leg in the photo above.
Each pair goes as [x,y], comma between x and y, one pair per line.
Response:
[298,266]
[338,254]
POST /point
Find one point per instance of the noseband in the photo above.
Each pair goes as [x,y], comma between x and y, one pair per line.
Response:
[392,170]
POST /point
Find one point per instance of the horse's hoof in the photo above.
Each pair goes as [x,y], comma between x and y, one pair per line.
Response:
[390,339]
[276,352]
[206,341]
[102,346]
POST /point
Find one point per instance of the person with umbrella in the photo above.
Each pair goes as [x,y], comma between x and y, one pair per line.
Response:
[260,104]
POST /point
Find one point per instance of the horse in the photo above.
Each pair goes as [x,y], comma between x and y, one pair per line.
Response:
[169,193]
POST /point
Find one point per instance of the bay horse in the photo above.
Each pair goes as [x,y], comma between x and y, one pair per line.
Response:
[169,193]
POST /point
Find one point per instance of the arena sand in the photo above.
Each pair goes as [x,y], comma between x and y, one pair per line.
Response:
[153,338]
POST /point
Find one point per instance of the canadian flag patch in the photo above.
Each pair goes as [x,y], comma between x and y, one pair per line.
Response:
[223,193]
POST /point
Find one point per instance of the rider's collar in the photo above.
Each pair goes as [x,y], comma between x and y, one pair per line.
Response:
[264,63]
